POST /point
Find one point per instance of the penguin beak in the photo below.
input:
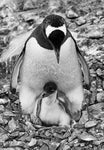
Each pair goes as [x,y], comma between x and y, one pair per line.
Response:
[56,36]
[57,53]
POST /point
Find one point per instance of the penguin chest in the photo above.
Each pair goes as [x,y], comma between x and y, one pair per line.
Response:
[40,66]
[50,113]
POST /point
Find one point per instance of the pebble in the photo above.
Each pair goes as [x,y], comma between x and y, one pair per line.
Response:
[100,96]
[3,101]
[6,87]
[80,21]
[4,32]
[84,117]
[95,34]
[1,108]
[8,3]
[8,113]
[54,145]
[99,13]
[97,110]
[54,4]
[86,137]
[92,72]
[32,142]
[12,125]
[90,124]
[2,120]
[28,5]
[3,137]
[71,14]
[66,147]
[99,72]
[44,147]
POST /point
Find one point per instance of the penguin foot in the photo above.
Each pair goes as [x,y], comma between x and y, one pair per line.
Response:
[76,115]
[76,97]
[27,99]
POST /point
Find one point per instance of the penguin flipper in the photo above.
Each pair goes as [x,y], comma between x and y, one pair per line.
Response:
[15,47]
[15,73]
[84,68]
[82,62]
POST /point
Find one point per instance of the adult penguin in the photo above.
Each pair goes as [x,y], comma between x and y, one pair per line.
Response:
[48,53]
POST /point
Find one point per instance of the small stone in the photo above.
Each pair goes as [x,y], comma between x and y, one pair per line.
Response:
[92,72]
[90,124]
[53,145]
[2,120]
[3,137]
[66,147]
[32,142]
[71,14]
[17,143]
[98,142]
[99,13]
[1,108]
[6,87]
[97,20]
[12,125]
[28,5]
[53,4]
[44,147]
[29,125]
[84,117]
[100,97]
[95,34]
[8,113]
[3,101]
[4,32]
[96,110]
[87,137]
[99,72]
[80,21]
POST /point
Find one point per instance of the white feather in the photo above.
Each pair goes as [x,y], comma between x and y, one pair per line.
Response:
[49,29]
[15,47]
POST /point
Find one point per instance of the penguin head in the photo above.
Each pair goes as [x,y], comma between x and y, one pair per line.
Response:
[54,27]
[49,88]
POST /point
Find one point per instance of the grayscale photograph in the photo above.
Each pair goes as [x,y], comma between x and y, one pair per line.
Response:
[51,74]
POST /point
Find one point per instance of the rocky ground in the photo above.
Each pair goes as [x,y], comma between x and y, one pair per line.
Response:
[85,19]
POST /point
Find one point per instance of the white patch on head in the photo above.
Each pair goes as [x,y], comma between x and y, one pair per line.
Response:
[50,29]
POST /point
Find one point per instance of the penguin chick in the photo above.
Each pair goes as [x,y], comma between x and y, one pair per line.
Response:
[50,53]
[52,110]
